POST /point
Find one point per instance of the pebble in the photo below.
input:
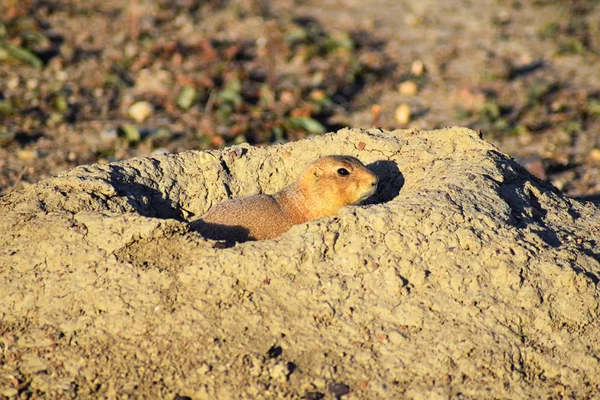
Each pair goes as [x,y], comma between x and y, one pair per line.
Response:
[10,392]
[375,113]
[108,135]
[402,114]
[417,68]
[279,372]
[32,84]
[339,389]
[594,155]
[140,111]
[13,83]
[407,88]
[26,155]
[158,82]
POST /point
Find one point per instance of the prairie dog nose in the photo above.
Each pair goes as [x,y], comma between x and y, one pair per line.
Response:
[375,181]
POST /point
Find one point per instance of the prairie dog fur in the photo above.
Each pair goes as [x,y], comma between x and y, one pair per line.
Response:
[324,187]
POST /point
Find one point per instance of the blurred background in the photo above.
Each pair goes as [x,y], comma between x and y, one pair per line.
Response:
[104,80]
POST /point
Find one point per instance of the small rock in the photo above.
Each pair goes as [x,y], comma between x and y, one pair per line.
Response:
[13,83]
[61,75]
[10,392]
[402,114]
[140,111]
[108,135]
[130,50]
[155,82]
[318,95]
[407,88]
[279,372]
[594,155]
[32,84]
[26,155]
[417,68]
[339,389]
[375,113]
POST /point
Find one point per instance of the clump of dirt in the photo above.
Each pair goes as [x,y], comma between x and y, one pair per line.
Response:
[466,276]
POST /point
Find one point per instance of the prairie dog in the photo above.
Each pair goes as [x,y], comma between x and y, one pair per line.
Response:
[324,187]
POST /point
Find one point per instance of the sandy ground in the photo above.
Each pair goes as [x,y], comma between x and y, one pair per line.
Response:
[465,277]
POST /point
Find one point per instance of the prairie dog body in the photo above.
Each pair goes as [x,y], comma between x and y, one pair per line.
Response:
[324,187]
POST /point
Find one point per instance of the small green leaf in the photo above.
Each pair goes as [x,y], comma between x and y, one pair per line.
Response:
[308,124]
[572,46]
[223,113]
[21,54]
[594,107]
[159,133]
[6,108]
[186,97]
[231,93]
[6,137]
[130,132]
[61,104]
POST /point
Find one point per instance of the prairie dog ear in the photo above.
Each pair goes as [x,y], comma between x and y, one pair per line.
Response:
[317,172]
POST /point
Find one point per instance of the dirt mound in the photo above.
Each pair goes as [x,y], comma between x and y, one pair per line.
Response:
[465,277]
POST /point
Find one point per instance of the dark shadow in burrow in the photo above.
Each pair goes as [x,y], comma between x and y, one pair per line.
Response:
[391,181]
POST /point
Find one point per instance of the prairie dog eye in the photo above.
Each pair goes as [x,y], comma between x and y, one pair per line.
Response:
[343,172]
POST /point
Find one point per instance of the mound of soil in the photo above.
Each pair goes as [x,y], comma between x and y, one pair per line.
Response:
[465,276]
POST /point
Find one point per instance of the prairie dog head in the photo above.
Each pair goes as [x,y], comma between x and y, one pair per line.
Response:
[333,182]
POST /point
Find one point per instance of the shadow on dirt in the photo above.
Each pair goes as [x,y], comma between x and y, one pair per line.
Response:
[229,234]
[528,209]
[146,200]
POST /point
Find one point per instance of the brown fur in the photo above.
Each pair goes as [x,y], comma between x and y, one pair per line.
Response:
[320,191]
